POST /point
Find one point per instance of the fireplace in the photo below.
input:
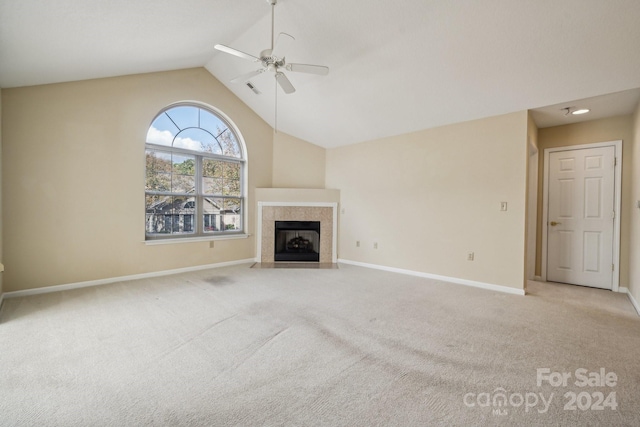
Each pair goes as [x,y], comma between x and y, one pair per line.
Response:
[282,204]
[297,241]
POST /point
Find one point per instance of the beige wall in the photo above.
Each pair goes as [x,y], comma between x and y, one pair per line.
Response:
[73,177]
[297,163]
[430,197]
[634,211]
[609,129]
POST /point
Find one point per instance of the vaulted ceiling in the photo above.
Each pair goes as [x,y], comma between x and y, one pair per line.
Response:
[396,67]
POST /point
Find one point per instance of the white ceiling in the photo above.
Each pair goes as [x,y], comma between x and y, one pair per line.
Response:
[395,67]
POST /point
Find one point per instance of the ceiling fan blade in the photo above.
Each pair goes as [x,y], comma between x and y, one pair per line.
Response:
[243,78]
[320,70]
[282,46]
[240,54]
[284,83]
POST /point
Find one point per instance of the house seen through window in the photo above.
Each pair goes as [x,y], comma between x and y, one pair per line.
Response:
[194,174]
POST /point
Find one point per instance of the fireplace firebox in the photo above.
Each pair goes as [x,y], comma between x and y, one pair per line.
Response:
[297,241]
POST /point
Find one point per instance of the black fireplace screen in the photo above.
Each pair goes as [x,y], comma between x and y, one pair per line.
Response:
[297,241]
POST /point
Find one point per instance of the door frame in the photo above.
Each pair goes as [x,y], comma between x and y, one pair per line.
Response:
[617,205]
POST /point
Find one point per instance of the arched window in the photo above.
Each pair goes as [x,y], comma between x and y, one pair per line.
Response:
[194,175]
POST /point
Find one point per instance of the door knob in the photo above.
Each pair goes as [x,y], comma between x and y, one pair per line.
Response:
[553,223]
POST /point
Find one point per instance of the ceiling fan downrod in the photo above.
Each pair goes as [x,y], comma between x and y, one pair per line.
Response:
[273,19]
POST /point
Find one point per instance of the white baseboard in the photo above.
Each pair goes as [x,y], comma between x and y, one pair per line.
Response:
[631,298]
[482,285]
[58,288]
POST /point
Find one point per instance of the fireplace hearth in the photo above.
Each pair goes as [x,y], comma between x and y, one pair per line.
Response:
[297,241]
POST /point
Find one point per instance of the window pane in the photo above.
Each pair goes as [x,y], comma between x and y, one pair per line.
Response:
[212,168]
[231,180]
[156,208]
[212,205]
[155,224]
[157,181]
[231,215]
[232,205]
[211,211]
[212,186]
[184,209]
[197,140]
[184,169]
[188,223]
[232,171]
[184,116]
[222,214]
[211,223]
[158,171]
[231,188]
[159,161]
[162,131]
[211,122]
[230,146]
[170,215]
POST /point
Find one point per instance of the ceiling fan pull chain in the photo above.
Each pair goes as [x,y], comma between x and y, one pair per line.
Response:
[275,123]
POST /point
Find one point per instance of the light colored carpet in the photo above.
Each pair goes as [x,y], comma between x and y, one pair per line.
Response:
[335,347]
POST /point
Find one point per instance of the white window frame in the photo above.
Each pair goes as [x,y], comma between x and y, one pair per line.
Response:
[198,222]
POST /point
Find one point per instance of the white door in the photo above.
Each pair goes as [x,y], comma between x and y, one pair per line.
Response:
[581,217]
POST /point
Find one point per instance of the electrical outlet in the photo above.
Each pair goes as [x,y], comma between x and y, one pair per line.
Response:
[470,256]
[503,206]
[375,245]
[357,243]
[211,244]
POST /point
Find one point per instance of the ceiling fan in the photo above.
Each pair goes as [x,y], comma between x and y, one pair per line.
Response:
[273,60]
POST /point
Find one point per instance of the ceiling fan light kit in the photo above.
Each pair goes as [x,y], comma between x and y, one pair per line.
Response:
[273,61]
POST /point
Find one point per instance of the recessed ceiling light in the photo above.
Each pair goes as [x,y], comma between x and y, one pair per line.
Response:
[580,111]
[574,110]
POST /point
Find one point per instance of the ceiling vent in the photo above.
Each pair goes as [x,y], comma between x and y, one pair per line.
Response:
[253,88]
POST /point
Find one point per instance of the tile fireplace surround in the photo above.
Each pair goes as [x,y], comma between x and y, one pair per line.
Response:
[297,205]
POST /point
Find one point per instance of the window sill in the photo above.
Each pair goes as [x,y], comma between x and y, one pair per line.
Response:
[195,239]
